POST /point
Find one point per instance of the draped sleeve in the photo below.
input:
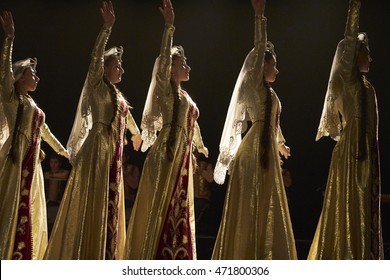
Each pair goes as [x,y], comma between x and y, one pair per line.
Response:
[342,71]
[280,137]
[131,124]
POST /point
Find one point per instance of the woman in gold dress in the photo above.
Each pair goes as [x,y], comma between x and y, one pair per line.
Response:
[255,221]
[90,223]
[23,223]
[162,224]
[350,225]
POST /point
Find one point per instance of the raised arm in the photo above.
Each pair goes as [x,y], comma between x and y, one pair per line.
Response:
[350,36]
[260,39]
[165,59]
[6,78]
[96,68]
[198,141]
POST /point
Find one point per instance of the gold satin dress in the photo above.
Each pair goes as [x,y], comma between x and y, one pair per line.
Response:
[162,224]
[255,220]
[349,227]
[23,222]
[90,223]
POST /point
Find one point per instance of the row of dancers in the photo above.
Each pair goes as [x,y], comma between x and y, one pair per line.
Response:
[255,223]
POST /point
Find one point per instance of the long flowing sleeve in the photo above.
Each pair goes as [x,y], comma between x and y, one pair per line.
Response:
[198,141]
[50,139]
[131,124]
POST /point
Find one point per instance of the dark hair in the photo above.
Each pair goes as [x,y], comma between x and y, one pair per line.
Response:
[266,133]
[175,112]
[113,90]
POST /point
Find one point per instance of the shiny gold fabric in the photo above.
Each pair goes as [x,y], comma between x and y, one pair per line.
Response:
[349,227]
[11,173]
[256,221]
[80,229]
[159,174]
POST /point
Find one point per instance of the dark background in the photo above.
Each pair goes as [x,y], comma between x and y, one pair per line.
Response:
[216,35]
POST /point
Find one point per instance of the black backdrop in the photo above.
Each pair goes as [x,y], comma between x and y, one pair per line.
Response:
[216,35]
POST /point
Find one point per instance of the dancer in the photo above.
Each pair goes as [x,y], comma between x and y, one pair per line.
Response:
[23,222]
[162,224]
[91,219]
[255,221]
[349,227]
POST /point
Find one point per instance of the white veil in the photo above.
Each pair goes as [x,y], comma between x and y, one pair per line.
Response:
[151,117]
[83,119]
[152,121]
[235,124]
[330,122]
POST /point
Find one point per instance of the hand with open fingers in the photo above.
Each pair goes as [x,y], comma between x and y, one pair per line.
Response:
[7,23]
[108,14]
[167,12]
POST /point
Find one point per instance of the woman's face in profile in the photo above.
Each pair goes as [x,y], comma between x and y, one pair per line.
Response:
[270,70]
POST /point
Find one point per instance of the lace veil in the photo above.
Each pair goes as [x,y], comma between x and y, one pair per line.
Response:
[235,124]
[83,119]
[152,118]
[330,123]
